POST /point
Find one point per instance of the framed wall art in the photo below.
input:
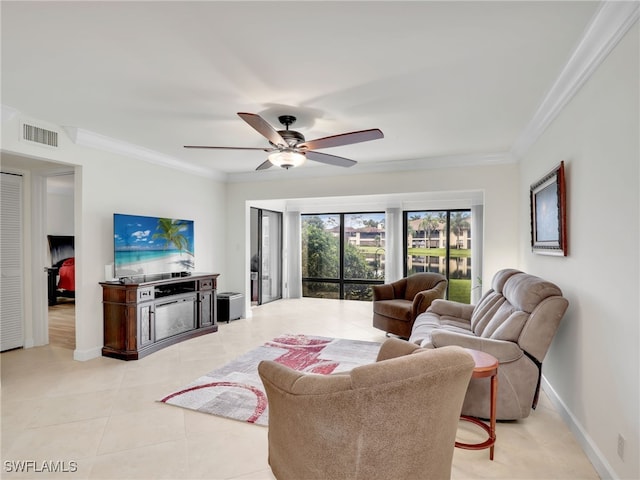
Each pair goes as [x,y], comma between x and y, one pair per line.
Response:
[548,214]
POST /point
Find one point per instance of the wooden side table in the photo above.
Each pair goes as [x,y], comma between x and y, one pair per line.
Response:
[486,366]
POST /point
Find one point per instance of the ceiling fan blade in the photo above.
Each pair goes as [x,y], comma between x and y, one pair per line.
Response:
[342,139]
[263,128]
[264,165]
[330,159]
[231,148]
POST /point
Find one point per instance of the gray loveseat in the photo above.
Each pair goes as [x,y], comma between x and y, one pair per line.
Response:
[515,322]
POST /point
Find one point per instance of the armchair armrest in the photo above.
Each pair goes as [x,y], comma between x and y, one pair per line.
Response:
[449,308]
[425,298]
[394,347]
[504,351]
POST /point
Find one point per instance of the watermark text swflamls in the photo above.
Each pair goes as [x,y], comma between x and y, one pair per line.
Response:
[40,466]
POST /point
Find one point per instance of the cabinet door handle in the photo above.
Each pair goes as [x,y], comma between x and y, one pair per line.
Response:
[166,303]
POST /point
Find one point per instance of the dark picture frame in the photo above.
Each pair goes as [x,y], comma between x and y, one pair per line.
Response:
[548,213]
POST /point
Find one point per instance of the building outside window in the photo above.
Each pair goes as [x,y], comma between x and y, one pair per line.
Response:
[440,241]
[343,254]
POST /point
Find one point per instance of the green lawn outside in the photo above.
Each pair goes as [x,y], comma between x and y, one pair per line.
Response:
[371,250]
[440,252]
[432,252]
[460,290]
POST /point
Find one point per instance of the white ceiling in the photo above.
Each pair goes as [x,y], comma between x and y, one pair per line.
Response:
[443,80]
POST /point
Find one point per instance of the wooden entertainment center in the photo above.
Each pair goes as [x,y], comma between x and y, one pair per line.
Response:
[145,313]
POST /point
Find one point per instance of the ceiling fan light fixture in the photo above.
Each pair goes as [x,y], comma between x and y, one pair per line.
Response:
[287,159]
[290,149]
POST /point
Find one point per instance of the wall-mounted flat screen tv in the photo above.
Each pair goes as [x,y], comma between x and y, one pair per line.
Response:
[151,245]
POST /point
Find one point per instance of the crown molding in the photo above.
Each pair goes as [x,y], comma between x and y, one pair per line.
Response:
[441,161]
[610,23]
[90,139]
[392,166]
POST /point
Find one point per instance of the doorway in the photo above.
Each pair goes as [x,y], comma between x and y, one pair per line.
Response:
[61,271]
[35,251]
[266,256]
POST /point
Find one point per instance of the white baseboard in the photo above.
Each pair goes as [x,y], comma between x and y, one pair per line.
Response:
[593,453]
[89,354]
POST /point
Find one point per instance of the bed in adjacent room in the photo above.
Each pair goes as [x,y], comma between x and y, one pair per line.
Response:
[61,274]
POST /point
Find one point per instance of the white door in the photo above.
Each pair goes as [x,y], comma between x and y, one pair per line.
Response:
[11,315]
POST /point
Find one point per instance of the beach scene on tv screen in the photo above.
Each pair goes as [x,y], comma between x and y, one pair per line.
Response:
[151,245]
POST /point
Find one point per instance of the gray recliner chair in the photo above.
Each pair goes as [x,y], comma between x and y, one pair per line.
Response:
[515,322]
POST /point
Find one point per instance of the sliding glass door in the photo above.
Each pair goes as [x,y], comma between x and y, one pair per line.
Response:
[440,241]
[266,256]
[271,265]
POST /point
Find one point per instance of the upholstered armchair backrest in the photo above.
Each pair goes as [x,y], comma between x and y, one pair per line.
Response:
[520,308]
[419,282]
[399,288]
[349,425]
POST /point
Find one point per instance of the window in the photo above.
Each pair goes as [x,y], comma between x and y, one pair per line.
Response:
[342,254]
[440,241]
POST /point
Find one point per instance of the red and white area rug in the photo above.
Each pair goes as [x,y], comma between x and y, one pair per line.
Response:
[236,391]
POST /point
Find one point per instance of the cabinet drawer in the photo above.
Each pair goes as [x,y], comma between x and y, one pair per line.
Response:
[206,284]
[145,294]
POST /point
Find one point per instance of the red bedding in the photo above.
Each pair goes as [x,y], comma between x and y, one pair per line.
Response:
[67,274]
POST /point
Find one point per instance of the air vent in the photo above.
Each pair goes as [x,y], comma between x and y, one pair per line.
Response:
[31,133]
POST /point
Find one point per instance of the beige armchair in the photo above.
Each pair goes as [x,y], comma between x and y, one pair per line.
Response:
[515,322]
[356,425]
[396,305]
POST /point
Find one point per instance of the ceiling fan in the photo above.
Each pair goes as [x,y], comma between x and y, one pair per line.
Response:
[290,149]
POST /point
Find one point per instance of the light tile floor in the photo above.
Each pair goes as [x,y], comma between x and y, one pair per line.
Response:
[103,415]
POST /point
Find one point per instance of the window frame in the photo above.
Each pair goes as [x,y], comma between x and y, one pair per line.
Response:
[405,246]
[341,280]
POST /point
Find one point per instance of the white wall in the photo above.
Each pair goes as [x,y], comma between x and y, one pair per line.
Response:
[499,184]
[107,183]
[59,214]
[139,188]
[593,363]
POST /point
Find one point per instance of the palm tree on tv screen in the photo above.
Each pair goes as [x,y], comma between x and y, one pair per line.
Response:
[170,231]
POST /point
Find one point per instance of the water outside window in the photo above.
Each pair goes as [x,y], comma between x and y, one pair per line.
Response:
[440,242]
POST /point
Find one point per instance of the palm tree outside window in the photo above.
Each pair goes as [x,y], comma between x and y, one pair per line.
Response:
[440,241]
